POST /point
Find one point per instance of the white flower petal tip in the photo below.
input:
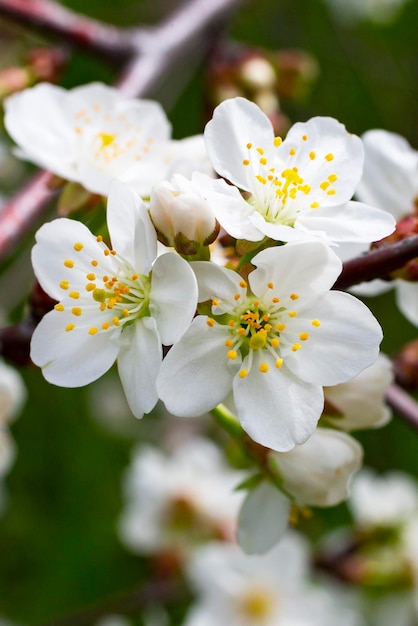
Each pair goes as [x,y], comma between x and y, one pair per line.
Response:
[296,189]
[275,339]
[111,303]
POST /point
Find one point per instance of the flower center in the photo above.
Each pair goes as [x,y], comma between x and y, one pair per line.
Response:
[262,325]
[112,292]
[257,604]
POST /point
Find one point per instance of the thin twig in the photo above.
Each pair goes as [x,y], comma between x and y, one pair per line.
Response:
[378,263]
[404,404]
[54,19]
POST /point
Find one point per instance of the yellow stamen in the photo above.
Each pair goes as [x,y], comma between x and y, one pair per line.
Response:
[279,363]
[76,310]
[316,323]
[329,157]
[275,342]
[243,373]
[264,368]
[69,327]
[59,307]
[78,246]
[296,347]
[116,321]
[294,296]
[74,294]
[231,354]
[64,284]
[303,336]
[68,263]
[210,322]
[93,330]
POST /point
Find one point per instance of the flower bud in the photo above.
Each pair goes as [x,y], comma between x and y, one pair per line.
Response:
[181,216]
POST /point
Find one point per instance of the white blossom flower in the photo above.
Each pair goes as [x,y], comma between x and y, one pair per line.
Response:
[182,215]
[316,473]
[177,500]
[386,500]
[275,342]
[120,303]
[92,134]
[297,189]
[12,393]
[360,402]
[390,180]
[272,590]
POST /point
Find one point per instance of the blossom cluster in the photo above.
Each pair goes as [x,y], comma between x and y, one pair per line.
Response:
[211,284]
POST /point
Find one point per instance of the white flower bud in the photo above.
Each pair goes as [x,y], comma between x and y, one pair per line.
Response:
[181,215]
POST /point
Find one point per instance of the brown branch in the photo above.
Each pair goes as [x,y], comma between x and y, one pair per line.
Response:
[378,263]
[52,18]
[403,404]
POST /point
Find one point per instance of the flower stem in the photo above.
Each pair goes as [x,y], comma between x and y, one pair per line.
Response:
[227,420]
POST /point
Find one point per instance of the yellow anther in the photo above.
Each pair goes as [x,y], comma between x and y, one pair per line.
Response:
[134,277]
[111,303]
[279,363]
[256,303]
[59,307]
[275,342]
[231,323]
[278,141]
[243,284]
[304,137]
[260,150]
[243,373]
[316,323]
[77,311]
[68,263]
[78,246]
[231,354]
[126,312]
[105,325]
[94,263]
[106,139]
[116,321]
[106,252]
[296,347]
[264,368]
[229,343]
[210,322]
[304,336]
[332,178]
[103,306]
[78,130]
[93,330]
[237,296]
[74,294]
[245,162]
[292,313]
[241,331]
[329,157]
[263,161]
[275,300]
[99,238]
[280,327]
[292,152]
[91,276]
[215,302]
[324,185]
[105,279]
[64,284]
[266,317]
[294,296]
[113,252]
[91,286]
[267,328]
[261,179]
[314,205]
[312,155]
[270,285]
[69,327]
[249,146]
[331,192]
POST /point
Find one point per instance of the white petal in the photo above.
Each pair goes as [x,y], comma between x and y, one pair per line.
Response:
[346,342]
[132,233]
[196,374]
[336,151]
[173,296]
[216,282]
[235,123]
[318,472]
[407,300]
[139,361]
[275,408]
[56,244]
[36,120]
[75,358]
[263,519]
[390,176]
[305,268]
[352,222]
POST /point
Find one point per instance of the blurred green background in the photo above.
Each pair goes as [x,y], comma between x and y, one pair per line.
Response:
[59,549]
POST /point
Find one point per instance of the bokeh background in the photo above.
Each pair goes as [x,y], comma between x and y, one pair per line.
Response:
[59,548]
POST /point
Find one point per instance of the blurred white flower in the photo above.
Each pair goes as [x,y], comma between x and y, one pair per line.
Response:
[12,393]
[360,402]
[91,134]
[272,590]
[379,11]
[174,501]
